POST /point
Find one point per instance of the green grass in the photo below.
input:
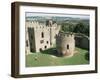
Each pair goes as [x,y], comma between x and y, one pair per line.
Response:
[49,58]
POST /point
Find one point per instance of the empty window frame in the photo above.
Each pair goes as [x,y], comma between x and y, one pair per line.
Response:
[42,34]
[67,46]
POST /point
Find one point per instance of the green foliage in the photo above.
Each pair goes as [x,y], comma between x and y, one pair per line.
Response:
[66,27]
[76,28]
[49,58]
[81,28]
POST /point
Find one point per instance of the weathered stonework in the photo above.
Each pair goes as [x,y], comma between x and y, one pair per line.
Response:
[65,44]
[40,36]
[82,41]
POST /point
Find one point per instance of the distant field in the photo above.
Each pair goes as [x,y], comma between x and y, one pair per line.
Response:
[49,58]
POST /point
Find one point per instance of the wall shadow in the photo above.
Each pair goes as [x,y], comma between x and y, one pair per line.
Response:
[51,51]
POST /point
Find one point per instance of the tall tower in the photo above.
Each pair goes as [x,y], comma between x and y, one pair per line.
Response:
[65,44]
[49,23]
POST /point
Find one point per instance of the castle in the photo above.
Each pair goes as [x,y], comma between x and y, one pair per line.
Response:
[65,44]
[40,36]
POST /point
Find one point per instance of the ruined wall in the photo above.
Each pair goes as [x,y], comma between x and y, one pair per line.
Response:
[65,44]
[41,36]
[82,41]
[54,30]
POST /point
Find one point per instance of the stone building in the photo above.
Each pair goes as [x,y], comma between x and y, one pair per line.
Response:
[65,44]
[40,36]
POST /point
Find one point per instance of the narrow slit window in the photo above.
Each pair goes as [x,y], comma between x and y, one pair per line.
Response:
[42,35]
[67,46]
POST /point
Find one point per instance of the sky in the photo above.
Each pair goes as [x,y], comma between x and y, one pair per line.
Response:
[30,14]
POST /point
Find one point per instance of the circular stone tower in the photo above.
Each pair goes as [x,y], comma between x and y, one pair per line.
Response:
[65,44]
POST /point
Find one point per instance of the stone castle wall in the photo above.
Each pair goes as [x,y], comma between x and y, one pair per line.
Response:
[65,44]
[82,41]
[41,36]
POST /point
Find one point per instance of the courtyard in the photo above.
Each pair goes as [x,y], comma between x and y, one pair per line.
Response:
[50,57]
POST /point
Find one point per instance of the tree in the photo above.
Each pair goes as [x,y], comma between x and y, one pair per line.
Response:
[78,28]
[82,28]
[67,27]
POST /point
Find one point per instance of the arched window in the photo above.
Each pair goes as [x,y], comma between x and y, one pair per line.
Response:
[42,35]
[67,46]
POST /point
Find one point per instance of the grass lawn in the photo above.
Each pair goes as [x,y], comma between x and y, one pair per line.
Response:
[49,58]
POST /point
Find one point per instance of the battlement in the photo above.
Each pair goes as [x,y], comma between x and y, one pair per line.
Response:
[66,35]
[65,43]
[41,35]
[37,26]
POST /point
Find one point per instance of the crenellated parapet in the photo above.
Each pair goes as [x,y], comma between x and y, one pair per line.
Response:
[41,36]
[65,44]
